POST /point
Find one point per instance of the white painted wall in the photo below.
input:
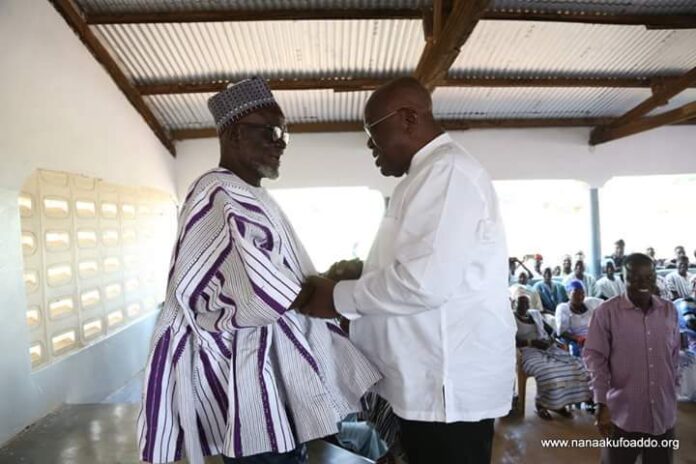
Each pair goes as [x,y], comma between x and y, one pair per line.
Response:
[313,160]
[60,110]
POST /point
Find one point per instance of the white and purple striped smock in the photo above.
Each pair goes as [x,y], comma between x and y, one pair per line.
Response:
[232,371]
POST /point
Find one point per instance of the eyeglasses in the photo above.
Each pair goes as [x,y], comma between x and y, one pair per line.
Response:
[278,133]
[368,127]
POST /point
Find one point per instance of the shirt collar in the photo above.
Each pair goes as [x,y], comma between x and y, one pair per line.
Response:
[627,304]
[430,147]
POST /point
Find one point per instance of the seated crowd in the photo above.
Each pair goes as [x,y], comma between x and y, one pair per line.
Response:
[554,315]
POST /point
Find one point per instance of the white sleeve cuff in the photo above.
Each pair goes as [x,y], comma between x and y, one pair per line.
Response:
[344,301]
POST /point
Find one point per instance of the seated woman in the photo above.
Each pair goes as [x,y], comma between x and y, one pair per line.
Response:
[686,311]
[561,378]
[573,317]
[551,293]
[523,286]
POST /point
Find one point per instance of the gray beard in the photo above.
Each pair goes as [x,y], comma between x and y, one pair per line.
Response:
[268,172]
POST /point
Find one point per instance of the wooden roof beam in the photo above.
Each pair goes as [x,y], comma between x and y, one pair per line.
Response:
[649,21]
[448,124]
[435,62]
[661,95]
[358,84]
[235,15]
[275,84]
[241,15]
[681,114]
[72,15]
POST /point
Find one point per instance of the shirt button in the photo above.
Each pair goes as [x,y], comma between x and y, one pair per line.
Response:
[651,366]
[648,332]
[649,349]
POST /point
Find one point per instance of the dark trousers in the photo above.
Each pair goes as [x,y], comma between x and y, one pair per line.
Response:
[650,455]
[453,443]
[296,456]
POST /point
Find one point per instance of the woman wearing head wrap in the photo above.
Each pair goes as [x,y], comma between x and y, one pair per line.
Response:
[561,378]
[573,317]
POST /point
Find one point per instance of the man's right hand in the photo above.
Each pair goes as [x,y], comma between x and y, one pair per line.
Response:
[603,421]
[345,270]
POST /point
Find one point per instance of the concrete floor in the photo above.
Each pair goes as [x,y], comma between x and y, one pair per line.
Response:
[105,433]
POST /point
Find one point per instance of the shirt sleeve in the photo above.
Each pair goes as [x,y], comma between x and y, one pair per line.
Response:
[222,271]
[536,300]
[438,227]
[592,284]
[562,319]
[596,354]
[676,346]
[564,295]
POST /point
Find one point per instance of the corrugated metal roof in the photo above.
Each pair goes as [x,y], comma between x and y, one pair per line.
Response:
[488,103]
[221,51]
[536,49]
[103,6]
[600,6]
[191,111]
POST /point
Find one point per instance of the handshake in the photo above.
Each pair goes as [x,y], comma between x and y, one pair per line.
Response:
[316,296]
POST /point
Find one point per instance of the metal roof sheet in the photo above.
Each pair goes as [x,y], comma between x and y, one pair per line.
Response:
[518,102]
[221,51]
[190,111]
[543,49]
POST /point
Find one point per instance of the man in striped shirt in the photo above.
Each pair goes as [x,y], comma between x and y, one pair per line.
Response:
[234,370]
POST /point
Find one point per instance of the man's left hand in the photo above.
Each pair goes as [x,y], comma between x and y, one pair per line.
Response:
[320,304]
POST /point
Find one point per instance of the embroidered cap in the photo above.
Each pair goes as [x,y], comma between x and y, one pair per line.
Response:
[238,100]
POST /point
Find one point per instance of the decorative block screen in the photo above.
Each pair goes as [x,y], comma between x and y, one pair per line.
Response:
[96,257]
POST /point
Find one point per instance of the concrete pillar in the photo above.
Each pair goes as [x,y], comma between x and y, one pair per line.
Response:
[595,256]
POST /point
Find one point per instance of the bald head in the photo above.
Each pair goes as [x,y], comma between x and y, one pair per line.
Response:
[404,92]
[399,120]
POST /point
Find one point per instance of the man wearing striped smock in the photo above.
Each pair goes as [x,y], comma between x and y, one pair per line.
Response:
[234,370]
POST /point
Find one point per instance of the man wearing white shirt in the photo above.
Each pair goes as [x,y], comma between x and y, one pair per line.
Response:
[431,308]
[587,279]
[610,285]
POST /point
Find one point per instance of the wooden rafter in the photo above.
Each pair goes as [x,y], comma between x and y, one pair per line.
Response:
[435,62]
[275,84]
[661,95]
[242,15]
[649,21]
[681,114]
[73,16]
[356,84]
[449,124]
